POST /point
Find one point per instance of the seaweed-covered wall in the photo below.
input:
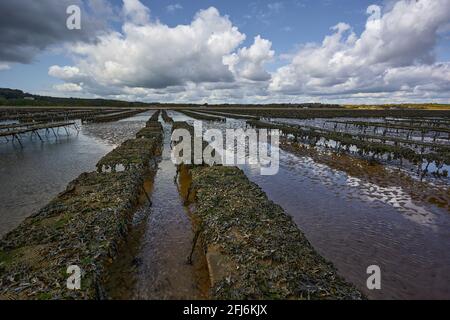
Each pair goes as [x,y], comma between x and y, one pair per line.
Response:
[82,226]
[202,116]
[112,117]
[254,250]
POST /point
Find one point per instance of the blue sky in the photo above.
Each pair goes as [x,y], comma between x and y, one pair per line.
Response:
[288,25]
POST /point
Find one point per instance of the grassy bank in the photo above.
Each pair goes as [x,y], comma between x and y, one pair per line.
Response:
[254,250]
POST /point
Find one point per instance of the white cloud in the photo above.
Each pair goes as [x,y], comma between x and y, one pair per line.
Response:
[394,53]
[392,60]
[174,7]
[154,55]
[68,87]
[136,12]
[248,63]
[64,73]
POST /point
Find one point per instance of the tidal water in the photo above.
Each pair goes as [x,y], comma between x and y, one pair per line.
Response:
[34,174]
[351,222]
[153,263]
[354,224]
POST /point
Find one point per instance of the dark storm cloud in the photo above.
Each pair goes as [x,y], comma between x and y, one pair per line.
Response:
[30,26]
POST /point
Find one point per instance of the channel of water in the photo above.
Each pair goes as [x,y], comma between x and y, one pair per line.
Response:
[153,263]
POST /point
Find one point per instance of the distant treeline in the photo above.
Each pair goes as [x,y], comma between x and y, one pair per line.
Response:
[13,97]
[268,105]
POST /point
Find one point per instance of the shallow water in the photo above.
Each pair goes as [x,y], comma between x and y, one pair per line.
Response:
[402,134]
[33,175]
[355,224]
[351,222]
[117,132]
[369,130]
[158,268]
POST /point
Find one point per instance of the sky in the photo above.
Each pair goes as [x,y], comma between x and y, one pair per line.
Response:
[229,51]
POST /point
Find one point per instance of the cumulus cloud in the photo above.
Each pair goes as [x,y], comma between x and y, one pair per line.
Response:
[4,66]
[392,60]
[152,55]
[136,12]
[68,87]
[248,63]
[65,73]
[395,53]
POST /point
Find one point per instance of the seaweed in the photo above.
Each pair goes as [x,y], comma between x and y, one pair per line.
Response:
[365,144]
[311,113]
[82,226]
[113,116]
[166,117]
[254,249]
[202,116]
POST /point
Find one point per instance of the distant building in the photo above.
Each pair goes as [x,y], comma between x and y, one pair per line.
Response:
[29,98]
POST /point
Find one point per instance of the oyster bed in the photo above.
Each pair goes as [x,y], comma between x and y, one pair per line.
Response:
[437,194]
[113,133]
[201,116]
[254,249]
[376,151]
[82,226]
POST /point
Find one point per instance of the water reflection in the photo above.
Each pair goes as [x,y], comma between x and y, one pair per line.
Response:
[355,223]
[160,245]
[33,175]
[350,221]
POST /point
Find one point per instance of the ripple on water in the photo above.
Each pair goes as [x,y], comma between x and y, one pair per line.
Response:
[33,175]
[354,224]
[158,267]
